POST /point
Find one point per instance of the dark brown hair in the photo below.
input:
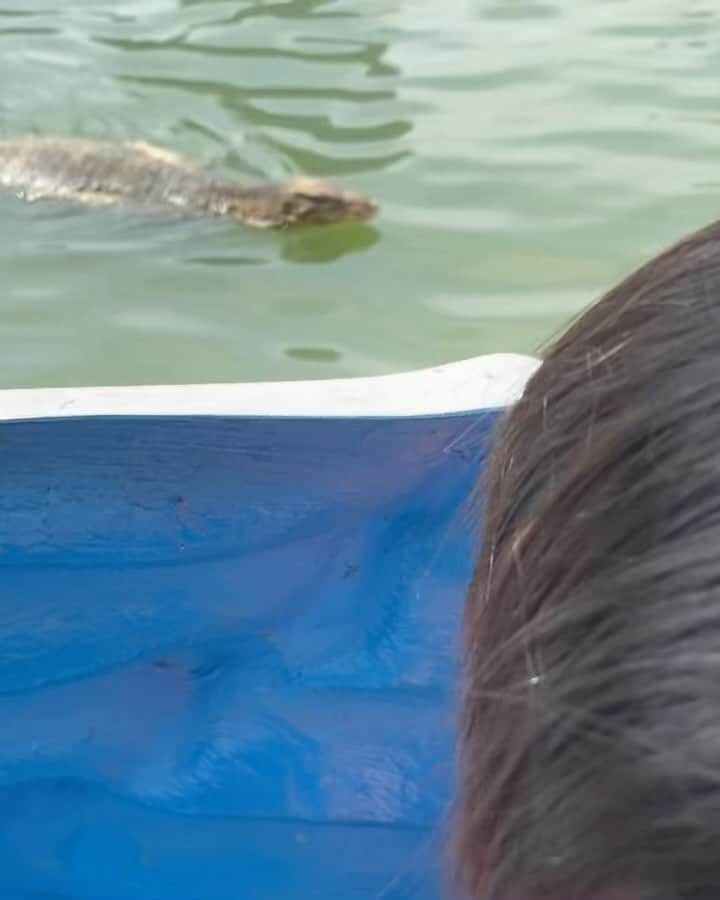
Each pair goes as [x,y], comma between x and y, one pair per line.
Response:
[589,757]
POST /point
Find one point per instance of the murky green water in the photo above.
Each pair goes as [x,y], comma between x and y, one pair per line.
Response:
[525,154]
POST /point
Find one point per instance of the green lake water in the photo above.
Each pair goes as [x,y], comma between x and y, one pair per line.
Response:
[525,155]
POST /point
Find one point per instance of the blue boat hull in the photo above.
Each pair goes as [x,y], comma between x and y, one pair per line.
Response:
[228,646]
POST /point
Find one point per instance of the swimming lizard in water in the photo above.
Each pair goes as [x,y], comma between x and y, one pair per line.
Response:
[105,173]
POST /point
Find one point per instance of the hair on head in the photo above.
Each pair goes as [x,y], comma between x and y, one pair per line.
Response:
[589,746]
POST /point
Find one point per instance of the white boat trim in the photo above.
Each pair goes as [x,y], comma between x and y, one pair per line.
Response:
[485,382]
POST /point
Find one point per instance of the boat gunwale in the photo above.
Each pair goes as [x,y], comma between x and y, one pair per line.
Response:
[486,382]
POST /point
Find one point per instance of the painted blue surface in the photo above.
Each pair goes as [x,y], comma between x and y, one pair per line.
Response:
[227,655]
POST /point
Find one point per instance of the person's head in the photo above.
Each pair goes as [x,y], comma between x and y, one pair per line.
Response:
[589,747]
